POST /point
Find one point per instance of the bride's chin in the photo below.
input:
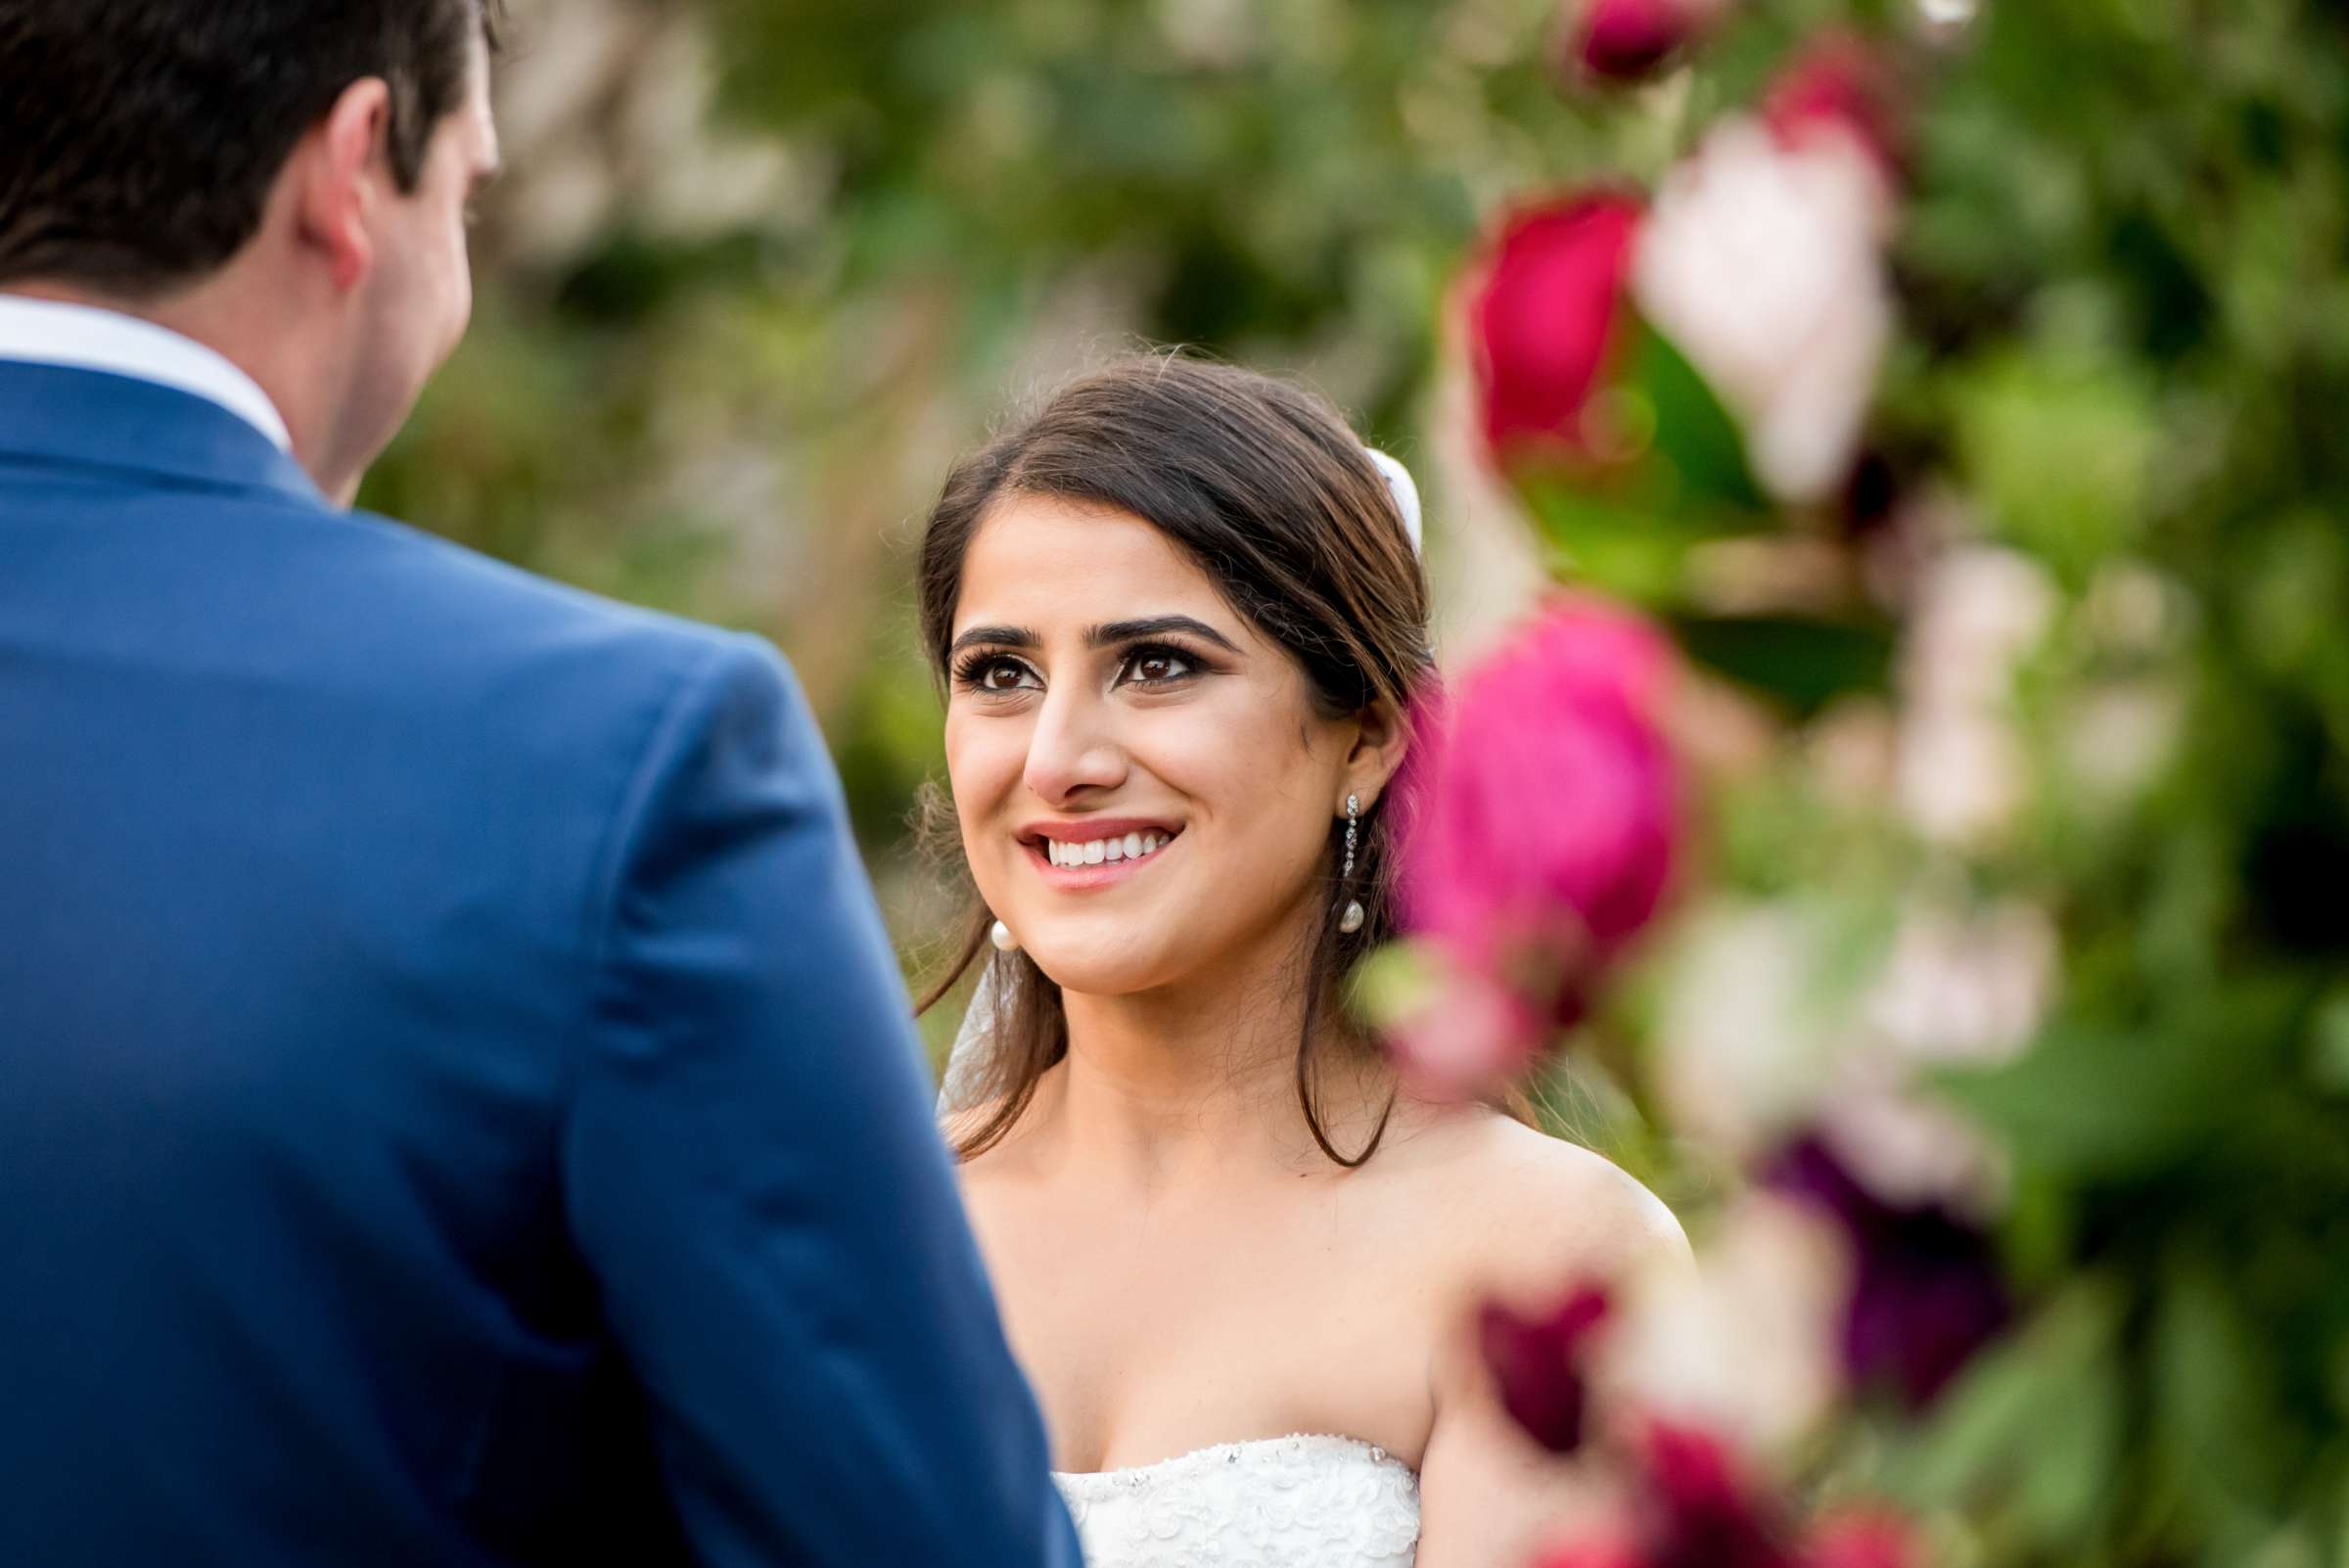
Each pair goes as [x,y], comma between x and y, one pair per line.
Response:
[1081,972]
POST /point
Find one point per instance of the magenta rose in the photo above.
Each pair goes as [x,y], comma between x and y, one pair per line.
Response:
[1704,1509]
[1545,322]
[1628,40]
[1550,812]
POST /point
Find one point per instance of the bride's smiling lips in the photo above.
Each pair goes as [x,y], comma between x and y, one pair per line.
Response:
[1095,852]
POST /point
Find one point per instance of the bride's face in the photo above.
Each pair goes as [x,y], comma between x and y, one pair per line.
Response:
[1105,700]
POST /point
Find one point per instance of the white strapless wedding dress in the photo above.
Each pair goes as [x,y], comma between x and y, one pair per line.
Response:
[1275,1502]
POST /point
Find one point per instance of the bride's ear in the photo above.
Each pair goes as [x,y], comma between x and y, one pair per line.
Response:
[1382,735]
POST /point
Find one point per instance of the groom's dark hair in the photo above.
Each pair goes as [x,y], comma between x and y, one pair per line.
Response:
[139,138]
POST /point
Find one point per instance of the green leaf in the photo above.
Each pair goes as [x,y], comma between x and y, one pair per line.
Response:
[2037,1424]
[2098,1102]
[1804,664]
[2061,453]
[2215,1397]
[1693,431]
[1621,541]
[2329,1045]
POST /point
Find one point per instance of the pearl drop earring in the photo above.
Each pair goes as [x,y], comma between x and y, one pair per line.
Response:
[1000,935]
[1350,921]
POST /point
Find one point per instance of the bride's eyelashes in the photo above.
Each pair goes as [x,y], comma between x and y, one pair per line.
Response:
[1143,665]
[993,674]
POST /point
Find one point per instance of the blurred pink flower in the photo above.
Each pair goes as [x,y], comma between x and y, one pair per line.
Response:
[1863,1539]
[1545,318]
[1540,1364]
[1596,1552]
[1470,1038]
[1692,1505]
[1628,40]
[1840,81]
[1926,1293]
[1548,819]
[1709,1511]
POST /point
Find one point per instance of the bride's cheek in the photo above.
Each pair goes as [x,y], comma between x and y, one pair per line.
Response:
[985,756]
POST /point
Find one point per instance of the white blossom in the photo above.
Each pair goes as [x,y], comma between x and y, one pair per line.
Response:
[1763,261]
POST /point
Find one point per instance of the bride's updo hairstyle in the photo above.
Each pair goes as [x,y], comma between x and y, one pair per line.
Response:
[1263,485]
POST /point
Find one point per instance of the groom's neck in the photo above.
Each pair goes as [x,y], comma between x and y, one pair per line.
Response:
[255,325]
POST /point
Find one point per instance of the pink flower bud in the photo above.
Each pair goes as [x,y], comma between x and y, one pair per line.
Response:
[1840,83]
[1546,320]
[1628,41]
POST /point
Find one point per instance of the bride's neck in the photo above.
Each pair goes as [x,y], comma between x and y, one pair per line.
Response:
[1193,1077]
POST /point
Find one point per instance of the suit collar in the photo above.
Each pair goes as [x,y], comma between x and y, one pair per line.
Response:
[57,332]
[56,415]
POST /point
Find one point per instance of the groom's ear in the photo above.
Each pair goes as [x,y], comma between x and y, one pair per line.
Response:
[1382,735]
[341,176]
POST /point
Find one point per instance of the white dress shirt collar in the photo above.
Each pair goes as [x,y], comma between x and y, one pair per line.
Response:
[47,332]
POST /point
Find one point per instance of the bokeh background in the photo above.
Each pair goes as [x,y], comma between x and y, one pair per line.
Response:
[763,267]
[1955,689]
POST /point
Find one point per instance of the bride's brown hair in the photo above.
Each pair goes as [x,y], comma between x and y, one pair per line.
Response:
[1265,489]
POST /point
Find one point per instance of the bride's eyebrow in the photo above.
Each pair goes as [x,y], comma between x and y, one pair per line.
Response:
[1117,632]
[999,637]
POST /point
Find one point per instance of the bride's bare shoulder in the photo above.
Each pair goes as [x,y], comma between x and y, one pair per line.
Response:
[1521,1209]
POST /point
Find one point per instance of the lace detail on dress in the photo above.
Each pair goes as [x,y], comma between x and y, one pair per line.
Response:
[1304,1502]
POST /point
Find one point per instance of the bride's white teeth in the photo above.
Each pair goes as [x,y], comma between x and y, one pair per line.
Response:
[1105,852]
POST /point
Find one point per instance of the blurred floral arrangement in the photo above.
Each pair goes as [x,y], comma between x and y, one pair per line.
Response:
[1915,837]
[1933,413]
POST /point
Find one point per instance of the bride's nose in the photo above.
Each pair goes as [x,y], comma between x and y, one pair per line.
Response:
[1073,750]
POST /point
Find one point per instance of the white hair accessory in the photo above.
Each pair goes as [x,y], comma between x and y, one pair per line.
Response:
[1405,492]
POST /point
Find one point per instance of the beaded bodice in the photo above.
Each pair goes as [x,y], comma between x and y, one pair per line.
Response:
[1304,1502]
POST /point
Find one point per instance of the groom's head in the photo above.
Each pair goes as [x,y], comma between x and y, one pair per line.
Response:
[284,180]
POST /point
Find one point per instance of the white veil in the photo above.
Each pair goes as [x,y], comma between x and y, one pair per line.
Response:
[967,1065]
[965,1080]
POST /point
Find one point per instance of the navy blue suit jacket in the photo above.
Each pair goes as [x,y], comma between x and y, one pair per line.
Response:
[457,1105]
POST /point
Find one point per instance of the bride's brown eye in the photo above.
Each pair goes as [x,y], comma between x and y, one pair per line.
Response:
[1151,666]
[991,674]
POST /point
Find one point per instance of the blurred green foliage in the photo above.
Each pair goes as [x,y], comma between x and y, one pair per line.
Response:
[2124,282]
